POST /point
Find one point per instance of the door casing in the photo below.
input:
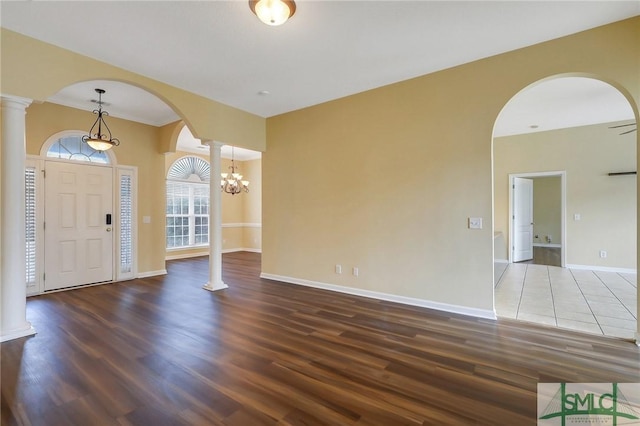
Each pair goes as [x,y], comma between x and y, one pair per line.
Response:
[563,228]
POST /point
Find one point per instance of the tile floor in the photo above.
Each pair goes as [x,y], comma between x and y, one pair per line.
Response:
[596,302]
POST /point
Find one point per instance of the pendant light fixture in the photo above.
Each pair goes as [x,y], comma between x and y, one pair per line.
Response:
[232,183]
[273,12]
[98,140]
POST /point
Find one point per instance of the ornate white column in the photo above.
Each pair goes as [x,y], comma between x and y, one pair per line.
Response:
[13,288]
[215,220]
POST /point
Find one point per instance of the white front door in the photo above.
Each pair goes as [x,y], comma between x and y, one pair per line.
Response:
[522,220]
[78,240]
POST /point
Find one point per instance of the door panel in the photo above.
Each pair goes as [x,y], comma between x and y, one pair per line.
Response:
[522,219]
[78,244]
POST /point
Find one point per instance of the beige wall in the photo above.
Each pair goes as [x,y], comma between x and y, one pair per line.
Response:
[607,205]
[241,213]
[547,210]
[386,179]
[252,213]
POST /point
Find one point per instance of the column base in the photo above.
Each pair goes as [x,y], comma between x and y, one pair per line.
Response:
[28,330]
[215,287]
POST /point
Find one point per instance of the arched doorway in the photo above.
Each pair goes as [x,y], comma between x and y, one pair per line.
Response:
[565,126]
[137,118]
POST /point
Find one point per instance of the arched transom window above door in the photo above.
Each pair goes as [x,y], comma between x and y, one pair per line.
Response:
[71,147]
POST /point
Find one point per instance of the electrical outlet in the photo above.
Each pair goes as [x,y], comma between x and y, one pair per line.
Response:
[338,269]
[603,254]
[355,271]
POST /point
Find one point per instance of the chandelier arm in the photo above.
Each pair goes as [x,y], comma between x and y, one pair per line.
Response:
[113,140]
[95,111]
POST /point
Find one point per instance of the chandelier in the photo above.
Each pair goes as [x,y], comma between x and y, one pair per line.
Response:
[232,183]
[100,141]
[273,12]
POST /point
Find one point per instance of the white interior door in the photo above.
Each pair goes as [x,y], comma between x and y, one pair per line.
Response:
[78,242]
[522,220]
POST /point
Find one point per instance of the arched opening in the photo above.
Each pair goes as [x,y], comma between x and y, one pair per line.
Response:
[57,157]
[560,138]
[241,215]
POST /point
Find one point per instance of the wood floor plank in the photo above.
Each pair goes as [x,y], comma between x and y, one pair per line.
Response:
[163,351]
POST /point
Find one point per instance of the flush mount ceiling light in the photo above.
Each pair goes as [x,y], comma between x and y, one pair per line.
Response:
[273,12]
[98,140]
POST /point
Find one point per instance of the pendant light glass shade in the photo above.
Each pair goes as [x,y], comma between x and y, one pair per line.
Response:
[273,12]
[99,144]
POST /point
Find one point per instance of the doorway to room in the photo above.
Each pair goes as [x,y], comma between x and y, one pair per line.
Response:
[569,124]
[537,209]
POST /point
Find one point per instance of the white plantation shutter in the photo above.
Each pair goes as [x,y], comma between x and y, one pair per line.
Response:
[125,225]
[30,226]
[126,222]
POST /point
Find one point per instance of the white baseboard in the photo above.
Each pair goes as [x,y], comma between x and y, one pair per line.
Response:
[186,255]
[233,250]
[148,274]
[500,261]
[547,245]
[602,269]
[26,331]
[474,312]
[206,253]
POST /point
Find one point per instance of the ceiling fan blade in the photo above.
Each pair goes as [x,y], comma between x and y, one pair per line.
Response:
[628,131]
[622,125]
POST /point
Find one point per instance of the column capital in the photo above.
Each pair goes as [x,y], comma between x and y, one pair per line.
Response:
[210,143]
[15,101]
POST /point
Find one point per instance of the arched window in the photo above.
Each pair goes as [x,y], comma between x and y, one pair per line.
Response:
[72,148]
[188,203]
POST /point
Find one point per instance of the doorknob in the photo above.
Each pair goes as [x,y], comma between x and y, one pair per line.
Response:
[108,229]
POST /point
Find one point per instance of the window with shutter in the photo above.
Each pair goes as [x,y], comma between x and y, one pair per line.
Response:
[30,225]
[187,217]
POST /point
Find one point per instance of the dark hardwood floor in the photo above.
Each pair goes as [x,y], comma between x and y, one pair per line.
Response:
[163,351]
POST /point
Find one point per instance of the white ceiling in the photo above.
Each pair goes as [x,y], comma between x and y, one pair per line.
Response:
[560,103]
[186,142]
[328,50]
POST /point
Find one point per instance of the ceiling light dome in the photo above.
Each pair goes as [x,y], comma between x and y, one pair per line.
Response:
[273,12]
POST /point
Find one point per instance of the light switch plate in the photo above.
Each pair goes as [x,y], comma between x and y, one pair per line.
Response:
[146,219]
[475,223]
